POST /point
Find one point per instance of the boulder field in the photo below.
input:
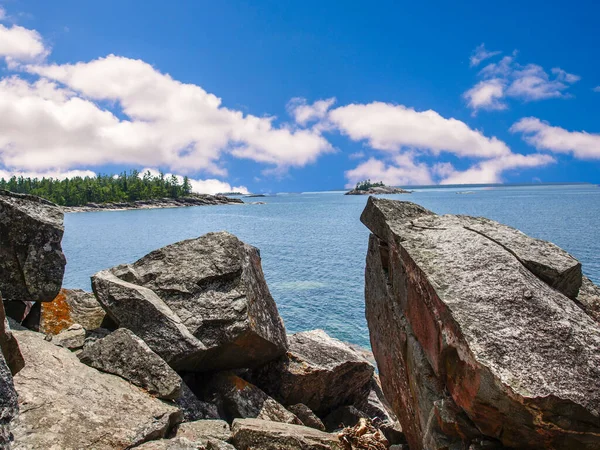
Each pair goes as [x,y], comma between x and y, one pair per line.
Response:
[484,338]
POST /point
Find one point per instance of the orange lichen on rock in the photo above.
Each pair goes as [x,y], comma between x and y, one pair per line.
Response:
[56,315]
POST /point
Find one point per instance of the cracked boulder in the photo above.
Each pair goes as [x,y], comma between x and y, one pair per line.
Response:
[32,263]
[478,333]
[66,404]
[318,371]
[212,289]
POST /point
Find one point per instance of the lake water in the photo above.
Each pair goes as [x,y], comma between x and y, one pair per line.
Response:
[313,245]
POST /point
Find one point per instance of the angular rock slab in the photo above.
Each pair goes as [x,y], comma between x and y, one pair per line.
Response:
[318,371]
[237,398]
[9,407]
[307,416]
[9,345]
[124,354]
[140,310]
[460,308]
[215,286]
[68,405]
[251,434]
[71,306]
[201,431]
[32,263]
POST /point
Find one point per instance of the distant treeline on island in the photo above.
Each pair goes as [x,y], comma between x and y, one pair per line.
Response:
[78,191]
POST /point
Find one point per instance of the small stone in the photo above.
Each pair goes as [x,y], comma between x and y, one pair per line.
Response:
[72,338]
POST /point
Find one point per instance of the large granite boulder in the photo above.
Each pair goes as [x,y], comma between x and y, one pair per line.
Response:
[214,287]
[317,371]
[477,334]
[32,263]
[9,407]
[8,344]
[251,434]
[71,306]
[68,405]
[123,353]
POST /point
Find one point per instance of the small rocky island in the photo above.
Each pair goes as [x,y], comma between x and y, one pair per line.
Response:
[368,188]
[484,339]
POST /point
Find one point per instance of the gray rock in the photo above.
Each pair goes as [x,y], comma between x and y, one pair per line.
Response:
[123,353]
[469,313]
[170,444]
[318,371]
[66,404]
[307,416]
[71,306]
[215,286]
[237,398]
[72,338]
[214,444]
[251,434]
[9,408]
[201,431]
[8,344]
[32,263]
[589,299]
[193,408]
[140,310]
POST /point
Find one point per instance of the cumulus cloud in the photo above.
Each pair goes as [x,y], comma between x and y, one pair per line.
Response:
[508,79]
[55,174]
[210,186]
[543,136]
[402,170]
[596,89]
[20,44]
[481,54]
[391,128]
[304,113]
[59,120]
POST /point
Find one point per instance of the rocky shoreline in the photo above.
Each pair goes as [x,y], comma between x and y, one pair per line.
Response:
[194,200]
[379,190]
[484,338]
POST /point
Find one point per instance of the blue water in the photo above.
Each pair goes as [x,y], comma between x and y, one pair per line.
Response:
[313,245]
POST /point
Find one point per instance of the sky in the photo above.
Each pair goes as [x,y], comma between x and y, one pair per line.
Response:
[272,96]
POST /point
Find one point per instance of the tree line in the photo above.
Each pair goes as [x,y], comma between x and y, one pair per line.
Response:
[79,191]
[367,184]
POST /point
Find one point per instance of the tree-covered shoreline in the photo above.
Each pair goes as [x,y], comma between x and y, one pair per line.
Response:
[79,191]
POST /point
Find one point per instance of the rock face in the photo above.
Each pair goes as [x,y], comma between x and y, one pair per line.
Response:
[214,288]
[31,259]
[8,404]
[307,416]
[72,338]
[71,306]
[66,404]
[251,434]
[123,353]
[318,371]
[9,345]
[237,398]
[201,431]
[476,334]
[589,298]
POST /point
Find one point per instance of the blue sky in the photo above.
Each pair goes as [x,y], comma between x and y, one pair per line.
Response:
[295,96]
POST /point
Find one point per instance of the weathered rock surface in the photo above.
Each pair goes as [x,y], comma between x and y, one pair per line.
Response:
[170,444]
[214,444]
[193,408]
[72,338]
[201,431]
[9,407]
[71,306]
[307,416]
[32,263]
[9,345]
[251,434]
[68,405]
[475,335]
[214,287]
[237,398]
[123,353]
[318,371]
[140,310]
[589,298]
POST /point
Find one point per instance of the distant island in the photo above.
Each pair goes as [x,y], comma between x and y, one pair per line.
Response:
[132,190]
[369,188]
[231,193]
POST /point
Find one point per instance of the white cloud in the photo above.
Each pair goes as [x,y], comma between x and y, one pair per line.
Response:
[20,44]
[304,113]
[543,136]
[490,171]
[403,170]
[210,186]
[481,54]
[59,121]
[508,79]
[486,94]
[2,13]
[596,89]
[391,128]
[56,174]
